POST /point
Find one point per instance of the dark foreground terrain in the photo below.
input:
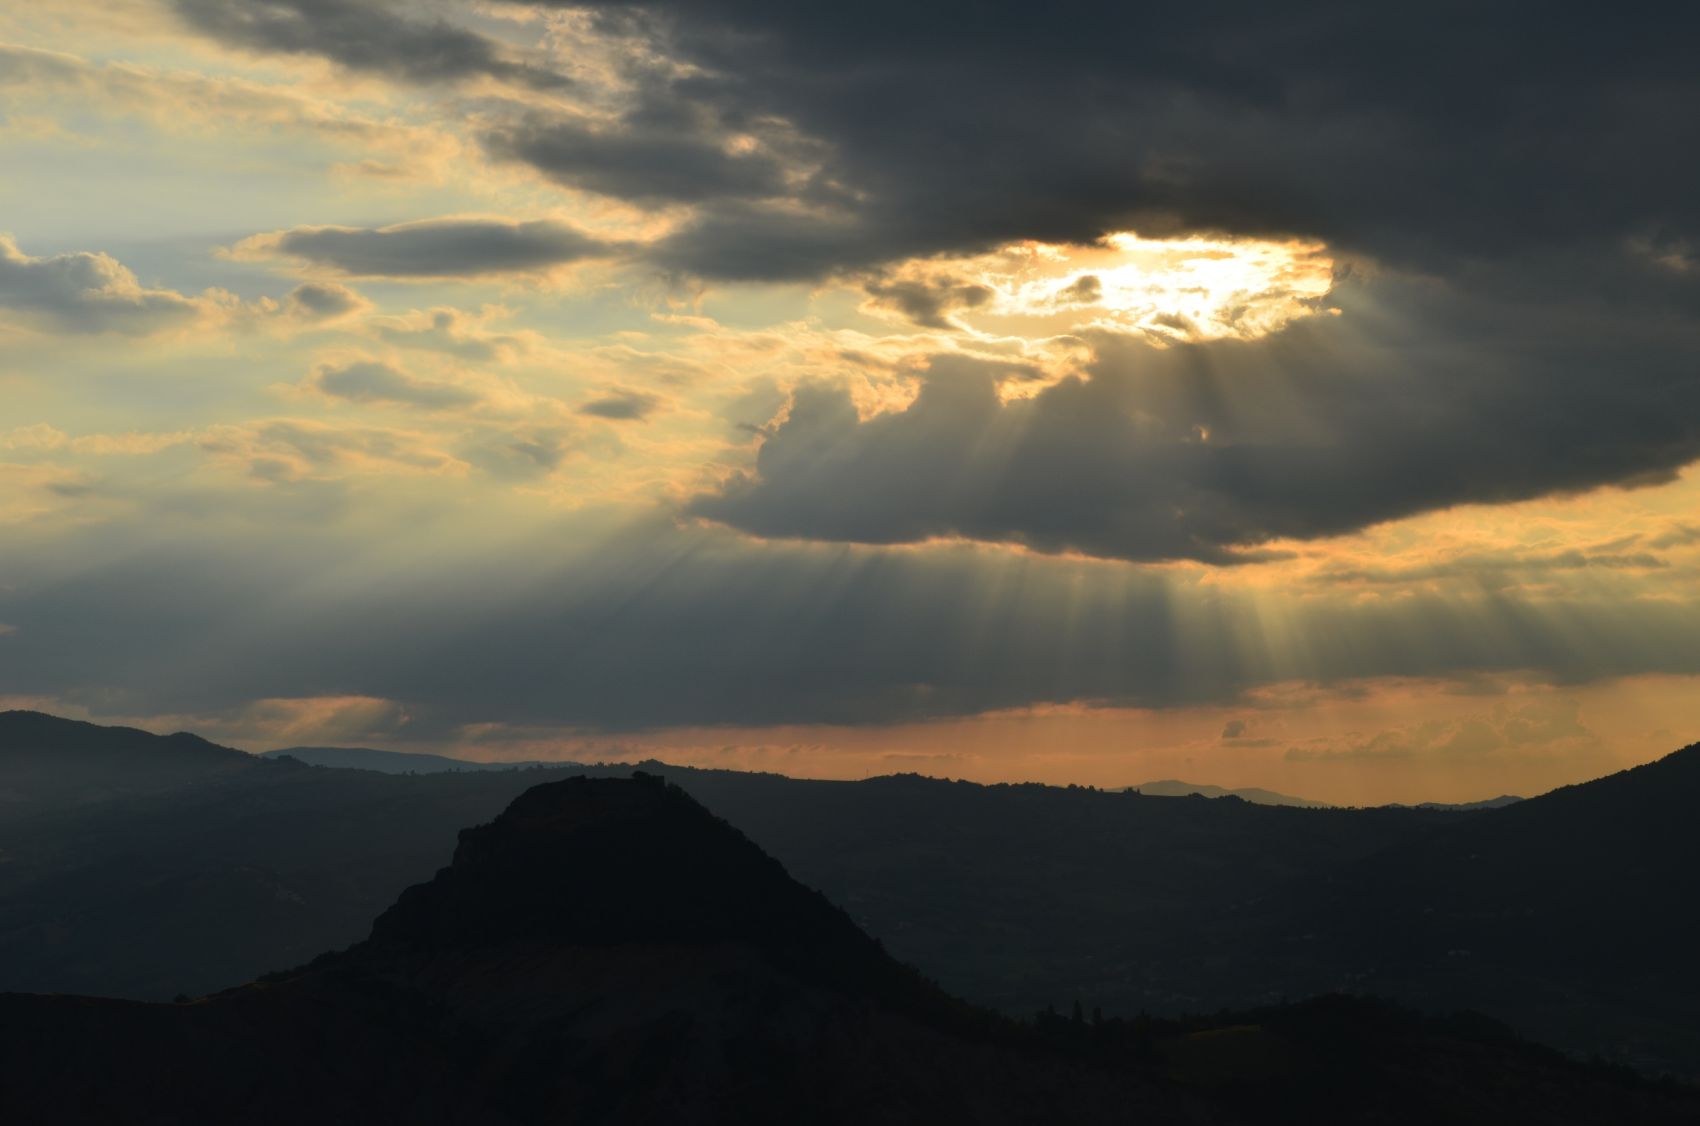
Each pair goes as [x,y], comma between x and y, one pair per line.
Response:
[607,951]
[145,867]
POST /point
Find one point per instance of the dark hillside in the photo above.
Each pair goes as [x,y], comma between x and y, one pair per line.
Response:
[46,762]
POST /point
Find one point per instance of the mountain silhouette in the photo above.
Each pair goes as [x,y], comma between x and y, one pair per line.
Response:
[607,951]
[604,863]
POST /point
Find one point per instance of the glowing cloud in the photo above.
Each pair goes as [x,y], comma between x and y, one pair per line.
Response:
[1167,290]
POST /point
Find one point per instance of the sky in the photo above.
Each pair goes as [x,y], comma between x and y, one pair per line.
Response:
[1301,396]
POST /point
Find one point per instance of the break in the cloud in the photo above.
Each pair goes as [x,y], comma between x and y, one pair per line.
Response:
[433,248]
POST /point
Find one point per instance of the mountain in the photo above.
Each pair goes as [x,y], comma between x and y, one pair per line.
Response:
[607,951]
[393,762]
[47,761]
[1015,896]
[1169,788]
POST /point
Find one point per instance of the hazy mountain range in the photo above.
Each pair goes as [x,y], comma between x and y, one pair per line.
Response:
[1170,788]
[151,866]
[406,762]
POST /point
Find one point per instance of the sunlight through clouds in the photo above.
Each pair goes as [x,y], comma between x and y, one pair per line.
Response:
[716,381]
[1165,290]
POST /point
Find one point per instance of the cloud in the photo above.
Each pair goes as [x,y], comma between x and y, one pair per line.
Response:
[323,301]
[298,721]
[1541,725]
[87,292]
[653,165]
[1678,535]
[622,405]
[451,332]
[31,492]
[174,99]
[1087,289]
[1211,450]
[283,451]
[1495,568]
[927,301]
[363,35]
[433,248]
[596,624]
[523,453]
[371,381]
[1243,119]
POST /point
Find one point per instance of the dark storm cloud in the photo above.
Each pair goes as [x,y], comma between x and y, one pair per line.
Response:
[435,248]
[650,166]
[362,35]
[1422,134]
[1428,135]
[659,626]
[622,405]
[1206,451]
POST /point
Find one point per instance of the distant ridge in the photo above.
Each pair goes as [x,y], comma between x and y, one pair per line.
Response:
[1500,802]
[1169,788]
[49,760]
[394,762]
